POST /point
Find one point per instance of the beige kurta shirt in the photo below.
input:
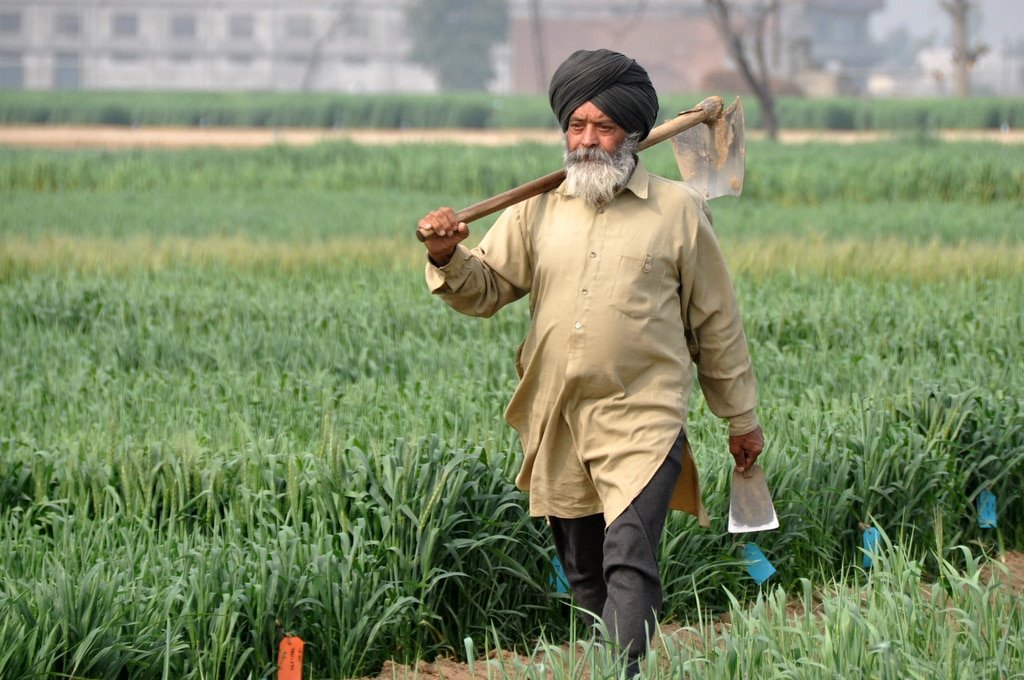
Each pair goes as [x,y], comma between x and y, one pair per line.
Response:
[606,367]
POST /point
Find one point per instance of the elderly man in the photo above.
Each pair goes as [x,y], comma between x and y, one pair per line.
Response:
[628,291]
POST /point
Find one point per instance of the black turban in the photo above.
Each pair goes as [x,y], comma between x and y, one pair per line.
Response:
[611,81]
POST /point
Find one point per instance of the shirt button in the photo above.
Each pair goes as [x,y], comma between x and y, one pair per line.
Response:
[578,325]
[593,254]
[585,291]
[600,211]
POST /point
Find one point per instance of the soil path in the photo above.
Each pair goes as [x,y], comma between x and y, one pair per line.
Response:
[88,136]
[73,136]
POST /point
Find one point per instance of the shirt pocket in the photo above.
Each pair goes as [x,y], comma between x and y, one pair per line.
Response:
[638,286]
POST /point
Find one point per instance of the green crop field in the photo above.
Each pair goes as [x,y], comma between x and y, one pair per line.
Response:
[229,410]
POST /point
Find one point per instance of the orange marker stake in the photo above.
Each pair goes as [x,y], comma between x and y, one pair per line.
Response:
[289,658]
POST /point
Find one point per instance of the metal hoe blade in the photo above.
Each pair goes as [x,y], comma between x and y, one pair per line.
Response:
[712,157]
[750,503]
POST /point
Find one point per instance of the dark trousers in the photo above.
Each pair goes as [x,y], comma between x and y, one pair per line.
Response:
[613,571]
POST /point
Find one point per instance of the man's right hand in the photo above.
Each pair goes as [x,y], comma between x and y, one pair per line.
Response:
[745,448]
[442,232]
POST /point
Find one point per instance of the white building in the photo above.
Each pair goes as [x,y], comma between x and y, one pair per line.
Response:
[317,45]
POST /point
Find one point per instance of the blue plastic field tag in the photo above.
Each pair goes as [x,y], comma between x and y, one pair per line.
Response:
[558,580]
[870,543]
[987,510]
[758,566]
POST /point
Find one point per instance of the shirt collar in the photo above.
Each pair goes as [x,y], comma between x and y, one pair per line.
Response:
[639,180]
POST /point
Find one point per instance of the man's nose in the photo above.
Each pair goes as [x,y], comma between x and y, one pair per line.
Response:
[589,136]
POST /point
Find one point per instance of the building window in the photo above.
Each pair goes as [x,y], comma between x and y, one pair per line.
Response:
[125,56]
[12,73]
[10,23]
[241,26]
[183,26]
[356,22]
[67,24]
[67,71]
[298,26]
[125,25]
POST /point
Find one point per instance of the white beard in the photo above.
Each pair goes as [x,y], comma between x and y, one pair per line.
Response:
[596,175]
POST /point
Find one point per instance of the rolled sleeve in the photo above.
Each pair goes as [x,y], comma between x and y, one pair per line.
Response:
[743,423]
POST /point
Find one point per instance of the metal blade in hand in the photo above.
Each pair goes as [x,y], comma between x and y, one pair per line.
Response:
[750,503]
[712,157]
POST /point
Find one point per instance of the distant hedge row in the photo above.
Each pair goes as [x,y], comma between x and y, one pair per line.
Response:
[321,110]
[900,114]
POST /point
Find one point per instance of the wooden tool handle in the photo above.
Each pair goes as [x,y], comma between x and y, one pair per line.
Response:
[505,199]
[707,111]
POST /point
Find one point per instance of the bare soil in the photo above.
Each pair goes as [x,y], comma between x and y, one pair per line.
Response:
[449,669]
[1014,576]
[112,137]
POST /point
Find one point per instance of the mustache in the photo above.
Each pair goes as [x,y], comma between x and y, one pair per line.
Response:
[622,155]
[589,155]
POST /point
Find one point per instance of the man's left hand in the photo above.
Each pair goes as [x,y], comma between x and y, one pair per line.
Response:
[745,448]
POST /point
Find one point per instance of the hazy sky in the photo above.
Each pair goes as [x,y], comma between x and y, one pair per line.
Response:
[1001,20]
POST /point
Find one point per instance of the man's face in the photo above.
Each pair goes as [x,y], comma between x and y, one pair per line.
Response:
[599,156]
[589,127]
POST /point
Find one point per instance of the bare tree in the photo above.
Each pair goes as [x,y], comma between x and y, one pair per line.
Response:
[964,56]
[737,38]
[537,26]
[316,52]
